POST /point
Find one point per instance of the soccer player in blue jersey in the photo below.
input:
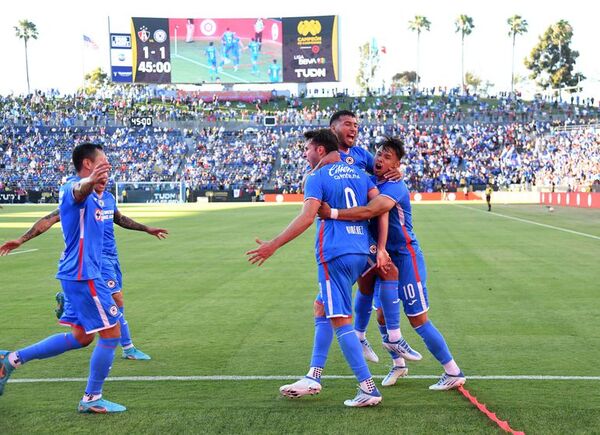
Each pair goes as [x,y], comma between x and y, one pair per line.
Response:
[403,247]
[79,271]
[227,41]
[254,48]
[344,124]
[236,46]
[274,72]
[341,252]
[211,59]
[111,268]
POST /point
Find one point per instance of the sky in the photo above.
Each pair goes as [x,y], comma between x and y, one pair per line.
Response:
[58,59]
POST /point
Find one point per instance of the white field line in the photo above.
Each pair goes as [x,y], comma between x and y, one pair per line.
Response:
[292,377]
[591,236]
[22,252]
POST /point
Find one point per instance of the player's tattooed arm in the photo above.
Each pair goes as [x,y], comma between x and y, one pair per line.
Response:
[129,224]
[40,227]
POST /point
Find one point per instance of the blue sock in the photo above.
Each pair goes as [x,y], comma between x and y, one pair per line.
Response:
[435,342]
[383,332]
[388,295]
[363,305]
[322,342]
[100,364]
[353,352]
[125,334]
[49,347]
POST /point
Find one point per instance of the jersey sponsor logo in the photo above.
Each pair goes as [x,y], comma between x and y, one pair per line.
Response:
[111,283]
[113,310]
[350,160]
[338,172]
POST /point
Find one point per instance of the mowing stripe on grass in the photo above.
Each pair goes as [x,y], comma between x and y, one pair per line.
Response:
[591,236]
[292,377]
[223,73]
[22,252]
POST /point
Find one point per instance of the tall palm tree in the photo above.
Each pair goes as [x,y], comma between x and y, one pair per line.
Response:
[26,30]
[464,25]
[418,24]
[518,26]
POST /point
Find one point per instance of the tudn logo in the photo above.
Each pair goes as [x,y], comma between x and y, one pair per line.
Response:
[309,26]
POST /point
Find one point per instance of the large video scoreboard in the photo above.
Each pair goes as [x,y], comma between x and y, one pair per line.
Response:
[225,50]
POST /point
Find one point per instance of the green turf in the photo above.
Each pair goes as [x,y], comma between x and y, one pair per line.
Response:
[511,298]
[189,64]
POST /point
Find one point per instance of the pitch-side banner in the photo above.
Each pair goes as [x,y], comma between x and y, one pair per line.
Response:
[310,49]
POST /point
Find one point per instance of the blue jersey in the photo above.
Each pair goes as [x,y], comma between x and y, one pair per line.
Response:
[83,233]
[109,203]
[341,186]
[401,238]
[228,38]
[211,54]
[254,49]
[359,157]
[274,72]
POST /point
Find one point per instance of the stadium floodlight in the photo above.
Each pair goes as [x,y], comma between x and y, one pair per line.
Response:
[150,192]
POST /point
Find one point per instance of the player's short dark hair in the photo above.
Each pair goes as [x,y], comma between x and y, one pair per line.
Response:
[323,137]
[395,144]
[337,115]
[84,151]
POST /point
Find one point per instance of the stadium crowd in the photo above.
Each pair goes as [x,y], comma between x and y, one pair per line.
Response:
[451,142]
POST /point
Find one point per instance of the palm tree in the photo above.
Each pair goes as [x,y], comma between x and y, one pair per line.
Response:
[418,24]
[26,30]
[464,25]
[518,26]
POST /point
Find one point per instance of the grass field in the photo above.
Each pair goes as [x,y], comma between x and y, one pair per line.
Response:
[190,64]
[511,297]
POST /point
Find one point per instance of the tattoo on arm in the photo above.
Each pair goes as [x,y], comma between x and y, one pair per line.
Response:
[41,226]
[128,223]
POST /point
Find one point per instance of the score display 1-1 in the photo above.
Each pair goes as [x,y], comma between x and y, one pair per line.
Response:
[151,51]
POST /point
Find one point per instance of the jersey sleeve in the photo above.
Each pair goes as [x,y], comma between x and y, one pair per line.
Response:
[65,196]
[313,187]
[393,190]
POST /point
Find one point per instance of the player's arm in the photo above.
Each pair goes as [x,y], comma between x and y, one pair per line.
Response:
[126,222]
[85,186]
[300,224]
[383,258]
[40,227]
[376,207]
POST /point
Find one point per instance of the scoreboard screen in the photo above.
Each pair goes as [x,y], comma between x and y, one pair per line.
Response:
[226,50]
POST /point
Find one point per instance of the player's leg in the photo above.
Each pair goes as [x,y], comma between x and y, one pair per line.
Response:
[336,280]
[416,304]
[311,383]
[51,346]
[112,276]
[399,368]
[389,302]
[363,305]
[97,312]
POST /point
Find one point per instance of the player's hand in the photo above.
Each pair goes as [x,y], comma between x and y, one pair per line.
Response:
[9,246]
[100,173]
[324,211]
[384,261]
[159,233]
[394,175]
[259,255]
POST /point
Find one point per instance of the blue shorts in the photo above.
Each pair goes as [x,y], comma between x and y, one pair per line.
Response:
[111,274]
[412,288]
[88,305]
[336,279]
